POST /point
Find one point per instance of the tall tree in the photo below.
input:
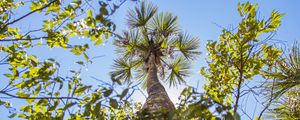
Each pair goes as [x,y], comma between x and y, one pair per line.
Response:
[238,56]
[153,49]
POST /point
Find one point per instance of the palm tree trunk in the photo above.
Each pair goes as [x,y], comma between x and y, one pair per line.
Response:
[158,99]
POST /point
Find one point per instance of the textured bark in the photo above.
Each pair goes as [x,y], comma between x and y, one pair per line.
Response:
[158,98]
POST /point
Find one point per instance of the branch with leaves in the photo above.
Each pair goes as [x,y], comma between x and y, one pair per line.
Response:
[233,60]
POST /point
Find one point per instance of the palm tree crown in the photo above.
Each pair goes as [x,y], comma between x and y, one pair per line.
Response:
[156,34]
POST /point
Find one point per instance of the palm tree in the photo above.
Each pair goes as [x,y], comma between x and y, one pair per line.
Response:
[154,49]
[287,85]
[288,76]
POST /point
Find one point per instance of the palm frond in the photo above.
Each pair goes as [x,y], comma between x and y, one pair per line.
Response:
[142,76]
[141,15]
[123,70]
[187,45]
[289,71]
[153,34]
[164,24]
[288,107]
[128,44]
[178,68]
[287,82]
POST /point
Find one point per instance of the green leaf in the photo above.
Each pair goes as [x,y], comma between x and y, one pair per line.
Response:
[107,92]
[56,93]
[8,75]
[97,109]
[103,10]
[42,102]
[22,94]
[82,89]
[30,101]
[98,41]
[229,116]
[86,33]
[22,116]
[69,105]
[25,108]
[237,116]
[86,56]
[12,115]
[113,103]
[5,17]
[90,13]
[36,5]
[87,110]
[80,62]
[37,90]
[53,8]
[124,93]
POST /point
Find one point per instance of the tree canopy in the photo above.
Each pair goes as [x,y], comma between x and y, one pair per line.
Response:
[153,49]
[50,95]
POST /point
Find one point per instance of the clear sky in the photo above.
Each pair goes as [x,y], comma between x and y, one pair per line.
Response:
[197,17]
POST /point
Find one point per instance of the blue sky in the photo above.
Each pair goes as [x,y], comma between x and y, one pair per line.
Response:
[197,17]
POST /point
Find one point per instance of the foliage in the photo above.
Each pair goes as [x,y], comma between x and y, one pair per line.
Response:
[286,86]
[194,106]
[158,34]
[288,71]
[237,57]
[288,106]
[48,94]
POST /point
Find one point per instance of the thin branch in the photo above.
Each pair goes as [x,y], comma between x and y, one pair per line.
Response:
[4,63]
[270,101]
[105,83]
[97,57]
[11,89]
[254,110]
[87,2]
[139,89]
[33,31]
[16,20]
[22,39]
[14,96]
[245,113]
[65,105]
[5,87]
[4,58]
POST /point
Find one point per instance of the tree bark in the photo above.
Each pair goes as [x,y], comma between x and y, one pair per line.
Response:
[158,99]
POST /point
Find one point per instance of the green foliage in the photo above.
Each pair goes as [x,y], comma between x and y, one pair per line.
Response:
[155,34]
[288,71]
[286,87]
[37,81]
[288,107]
[237,57]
